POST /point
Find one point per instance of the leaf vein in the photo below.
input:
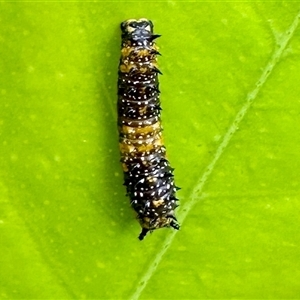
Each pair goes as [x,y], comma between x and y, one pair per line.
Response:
[196,193]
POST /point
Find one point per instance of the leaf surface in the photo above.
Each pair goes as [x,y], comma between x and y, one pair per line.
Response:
[66,228]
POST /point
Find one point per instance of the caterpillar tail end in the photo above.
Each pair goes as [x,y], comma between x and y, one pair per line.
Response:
[143,233]
[174,224]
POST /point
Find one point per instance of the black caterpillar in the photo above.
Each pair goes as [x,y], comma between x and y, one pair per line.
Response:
[148,176]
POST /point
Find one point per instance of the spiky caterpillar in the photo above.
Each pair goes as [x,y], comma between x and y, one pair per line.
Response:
[148,176]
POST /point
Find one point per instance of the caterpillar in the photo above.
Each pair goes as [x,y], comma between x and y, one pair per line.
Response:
[148,176]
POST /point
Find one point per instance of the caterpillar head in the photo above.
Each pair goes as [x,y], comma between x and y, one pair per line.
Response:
[138,30]
[142,25]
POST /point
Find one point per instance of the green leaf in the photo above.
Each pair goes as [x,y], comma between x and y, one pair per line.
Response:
[231,127]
